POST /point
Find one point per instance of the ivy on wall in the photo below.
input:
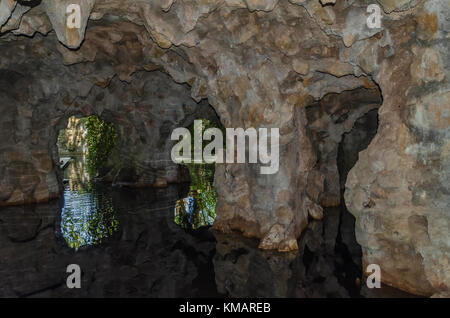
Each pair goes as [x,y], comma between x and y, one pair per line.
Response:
[100,139]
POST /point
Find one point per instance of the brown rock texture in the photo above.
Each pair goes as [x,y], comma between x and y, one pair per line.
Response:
[308,69]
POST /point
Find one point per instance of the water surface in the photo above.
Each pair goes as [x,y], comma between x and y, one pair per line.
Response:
[157,243]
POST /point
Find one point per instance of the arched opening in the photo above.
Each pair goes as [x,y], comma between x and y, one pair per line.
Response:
[84,147]
[340,126]
[97,170]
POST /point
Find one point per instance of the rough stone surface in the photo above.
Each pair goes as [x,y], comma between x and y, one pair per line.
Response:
[145,111]
[240,56]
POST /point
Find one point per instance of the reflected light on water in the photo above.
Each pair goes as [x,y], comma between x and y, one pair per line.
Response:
[89,217]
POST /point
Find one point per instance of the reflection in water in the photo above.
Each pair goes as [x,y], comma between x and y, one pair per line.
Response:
[151,256]
[87,217]
[199,207]
[318,269]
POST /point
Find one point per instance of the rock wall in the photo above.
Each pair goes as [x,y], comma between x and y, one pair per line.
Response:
[260,64]
[399,188]
[37,106]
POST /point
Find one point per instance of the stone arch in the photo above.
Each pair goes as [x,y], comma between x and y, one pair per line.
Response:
[144,129]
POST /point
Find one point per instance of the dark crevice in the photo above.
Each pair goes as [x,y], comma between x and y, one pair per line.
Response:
[353,142]
[339,127]
[29,3]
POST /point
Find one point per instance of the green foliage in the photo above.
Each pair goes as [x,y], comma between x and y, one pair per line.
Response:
[199,208]
[88,218]
[100,139]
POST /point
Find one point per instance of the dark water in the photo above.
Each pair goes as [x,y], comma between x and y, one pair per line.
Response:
[134,243]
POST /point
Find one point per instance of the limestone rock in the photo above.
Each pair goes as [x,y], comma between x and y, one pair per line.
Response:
[59,13]
[324,2]
[15,18]
[396,5]
[301,67]
[428,66]
[6,8]
[264,5]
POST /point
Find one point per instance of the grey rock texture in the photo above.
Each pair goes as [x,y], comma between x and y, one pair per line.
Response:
[259,64]
[145,111]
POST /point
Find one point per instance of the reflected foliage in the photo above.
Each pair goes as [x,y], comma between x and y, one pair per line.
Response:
[88,215]
[199,207]
[87,218]
[100,139]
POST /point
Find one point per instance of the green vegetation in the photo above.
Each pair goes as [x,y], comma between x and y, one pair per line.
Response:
[100,138]
[199,207]
[88,218]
